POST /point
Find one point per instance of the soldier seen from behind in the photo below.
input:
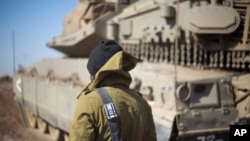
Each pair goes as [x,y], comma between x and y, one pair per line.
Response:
[125,116]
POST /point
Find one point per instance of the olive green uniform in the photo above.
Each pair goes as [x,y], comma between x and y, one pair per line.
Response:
[134,114]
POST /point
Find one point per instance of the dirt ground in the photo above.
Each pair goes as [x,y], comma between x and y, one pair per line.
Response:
[12,127]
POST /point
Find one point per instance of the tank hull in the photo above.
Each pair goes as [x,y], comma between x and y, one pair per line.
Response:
[53,98]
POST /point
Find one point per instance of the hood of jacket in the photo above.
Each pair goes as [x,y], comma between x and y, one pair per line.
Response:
[114,72]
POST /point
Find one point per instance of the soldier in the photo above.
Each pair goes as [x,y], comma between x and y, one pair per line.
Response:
[121,114]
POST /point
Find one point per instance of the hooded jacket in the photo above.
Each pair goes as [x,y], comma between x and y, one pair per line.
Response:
[134,114]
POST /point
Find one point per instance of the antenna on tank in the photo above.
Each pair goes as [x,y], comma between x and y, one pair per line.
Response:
[14,54]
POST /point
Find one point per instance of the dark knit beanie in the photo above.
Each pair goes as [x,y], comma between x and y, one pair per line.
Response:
[101,54]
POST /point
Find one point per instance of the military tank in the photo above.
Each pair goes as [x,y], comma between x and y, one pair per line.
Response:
[193,67]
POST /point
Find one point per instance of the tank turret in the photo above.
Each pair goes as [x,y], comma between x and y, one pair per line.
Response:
[85,26]
[200,34]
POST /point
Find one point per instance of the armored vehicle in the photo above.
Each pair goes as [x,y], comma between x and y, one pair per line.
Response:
[193,65]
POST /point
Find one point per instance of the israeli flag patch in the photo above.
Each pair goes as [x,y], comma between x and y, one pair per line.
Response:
[110,110]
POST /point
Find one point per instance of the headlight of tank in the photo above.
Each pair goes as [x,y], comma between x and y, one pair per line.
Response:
[183,92]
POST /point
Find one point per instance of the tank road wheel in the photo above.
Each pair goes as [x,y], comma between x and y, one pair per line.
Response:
[42,125]
[54,133]
[31,118]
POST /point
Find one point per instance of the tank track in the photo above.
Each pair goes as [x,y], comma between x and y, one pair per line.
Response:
[185,55]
